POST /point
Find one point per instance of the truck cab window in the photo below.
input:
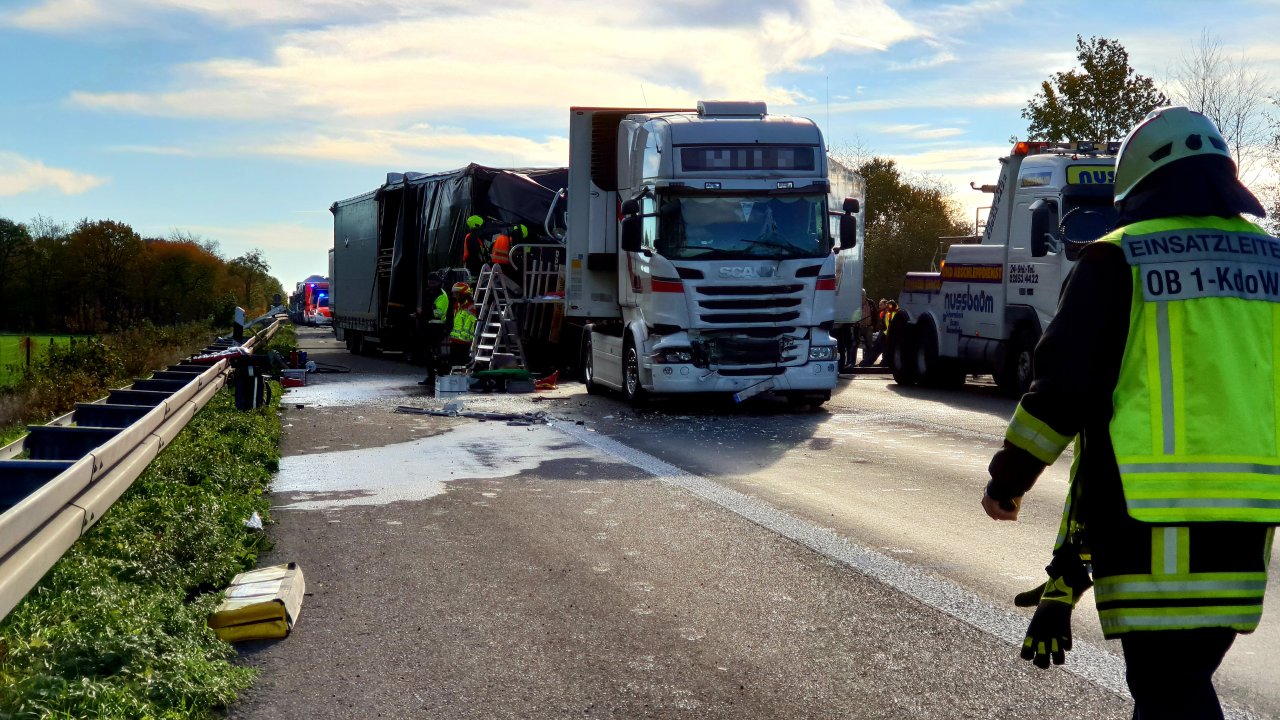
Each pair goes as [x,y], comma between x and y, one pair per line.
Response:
[743,226]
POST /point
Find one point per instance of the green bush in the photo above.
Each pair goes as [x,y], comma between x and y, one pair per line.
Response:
[117,629]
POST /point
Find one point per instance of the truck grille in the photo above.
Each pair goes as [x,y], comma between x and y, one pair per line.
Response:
[749,304]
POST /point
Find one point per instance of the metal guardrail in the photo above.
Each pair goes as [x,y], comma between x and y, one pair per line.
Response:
[78,465]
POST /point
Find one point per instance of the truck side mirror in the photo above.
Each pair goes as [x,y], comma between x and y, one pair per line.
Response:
[632,231]
[848,230]
[1043,227]
[851,205]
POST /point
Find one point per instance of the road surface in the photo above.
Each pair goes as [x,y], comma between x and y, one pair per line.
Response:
[690,560]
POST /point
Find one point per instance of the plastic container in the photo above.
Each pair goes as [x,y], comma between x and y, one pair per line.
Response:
[451,385]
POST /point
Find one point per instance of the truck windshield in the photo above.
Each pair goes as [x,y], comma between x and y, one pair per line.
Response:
[743,226]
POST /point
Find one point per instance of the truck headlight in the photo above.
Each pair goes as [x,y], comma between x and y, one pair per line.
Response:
[673,356]
[822,352]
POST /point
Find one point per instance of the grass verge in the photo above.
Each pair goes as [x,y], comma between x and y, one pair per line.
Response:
[83,372]
[117,628]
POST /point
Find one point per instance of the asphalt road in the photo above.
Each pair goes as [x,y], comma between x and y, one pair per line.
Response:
[692,560]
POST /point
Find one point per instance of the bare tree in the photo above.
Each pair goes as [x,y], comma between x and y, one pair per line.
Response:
[1234,95]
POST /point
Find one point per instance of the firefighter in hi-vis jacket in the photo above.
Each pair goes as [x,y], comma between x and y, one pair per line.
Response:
[1161,366]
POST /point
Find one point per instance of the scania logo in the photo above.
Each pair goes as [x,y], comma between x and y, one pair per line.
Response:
[746,271]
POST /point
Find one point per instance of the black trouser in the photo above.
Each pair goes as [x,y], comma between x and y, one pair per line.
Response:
[459,353]
[1170,672]
[432,337]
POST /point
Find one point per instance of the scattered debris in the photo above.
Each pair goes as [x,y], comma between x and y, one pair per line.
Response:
[526,418]
[254,522]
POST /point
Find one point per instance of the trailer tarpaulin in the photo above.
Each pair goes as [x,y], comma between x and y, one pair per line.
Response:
[424,218]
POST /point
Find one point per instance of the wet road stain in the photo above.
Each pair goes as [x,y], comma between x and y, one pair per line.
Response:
[419,469]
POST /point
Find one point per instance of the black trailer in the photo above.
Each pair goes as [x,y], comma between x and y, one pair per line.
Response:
[387,241]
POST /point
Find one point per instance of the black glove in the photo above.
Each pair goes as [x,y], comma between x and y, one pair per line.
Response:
[1049,634]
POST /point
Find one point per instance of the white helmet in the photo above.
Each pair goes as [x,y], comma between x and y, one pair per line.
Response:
[1165,135]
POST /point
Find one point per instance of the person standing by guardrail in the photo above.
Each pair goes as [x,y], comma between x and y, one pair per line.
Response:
[1178,465]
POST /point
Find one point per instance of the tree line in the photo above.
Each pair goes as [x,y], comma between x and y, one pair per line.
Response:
[102,275]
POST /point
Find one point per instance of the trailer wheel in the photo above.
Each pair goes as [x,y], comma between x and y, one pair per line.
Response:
[1019,364]
[589,367]
[901,349]
[631,387]
[353,341]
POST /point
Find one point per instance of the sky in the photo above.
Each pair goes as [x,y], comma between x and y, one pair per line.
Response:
[242,121]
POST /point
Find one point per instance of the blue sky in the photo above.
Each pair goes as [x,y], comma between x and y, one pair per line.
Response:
[241,121]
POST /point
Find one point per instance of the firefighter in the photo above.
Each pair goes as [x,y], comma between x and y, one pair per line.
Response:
[501,252]
[1161,363]
[475,253]
[434,330]
[464,326]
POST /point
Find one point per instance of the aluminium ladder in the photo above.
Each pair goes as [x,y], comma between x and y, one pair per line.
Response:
[496,328]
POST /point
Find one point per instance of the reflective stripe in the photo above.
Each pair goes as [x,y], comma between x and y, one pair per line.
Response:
[1166,377]
[1115,622]
[1139,504]
[1199,468]
[1032,434]
[1131,589]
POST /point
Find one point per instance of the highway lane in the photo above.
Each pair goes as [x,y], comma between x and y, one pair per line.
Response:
[901,470]
[576,572]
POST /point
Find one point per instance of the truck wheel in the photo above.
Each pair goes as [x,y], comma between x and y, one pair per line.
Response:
[901,351]
[367,346]
[1015,377]
[353,341]
[926,353]
[589,367]
[631,387]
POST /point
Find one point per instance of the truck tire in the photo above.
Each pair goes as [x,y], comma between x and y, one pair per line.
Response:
[1019,364]
[589,367]
[635,393]
[925,353]
[353,341]
[933,370]
[900,347]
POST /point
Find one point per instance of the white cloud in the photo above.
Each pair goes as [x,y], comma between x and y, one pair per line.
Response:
[924,63]
[422,66]
[69,16]
[920,132]
[20,175]
[421,146]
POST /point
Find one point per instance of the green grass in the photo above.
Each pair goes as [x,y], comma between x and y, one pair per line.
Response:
[117,629]
[13,354]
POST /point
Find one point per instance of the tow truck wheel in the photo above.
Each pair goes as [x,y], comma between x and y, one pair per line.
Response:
[589,368]
[925,356]
[1015,377]
[901,351]
[636,394]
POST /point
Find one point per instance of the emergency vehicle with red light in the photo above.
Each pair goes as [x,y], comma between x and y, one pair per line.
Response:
[984,310]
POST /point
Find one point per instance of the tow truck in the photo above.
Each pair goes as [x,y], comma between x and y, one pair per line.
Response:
[984,310]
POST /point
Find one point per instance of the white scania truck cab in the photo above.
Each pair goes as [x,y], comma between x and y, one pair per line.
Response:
[700,251]
[984,312]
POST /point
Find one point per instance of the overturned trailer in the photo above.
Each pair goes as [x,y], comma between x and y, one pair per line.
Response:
[388,241]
